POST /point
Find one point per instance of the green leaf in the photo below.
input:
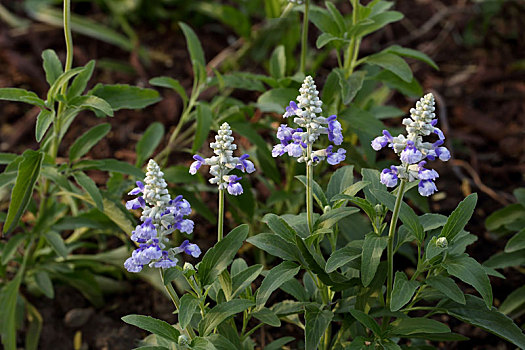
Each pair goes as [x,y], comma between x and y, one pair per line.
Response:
[470,271]
[375,22]
[332,217]
[34,327]
[90,138]
[459,217]
[365,205]
[514,302]
[393,63]
[412,88]
[122,96]
[188,305]
[170,83]
[81,80]
[372,250]
[408,326]
[351,86]
[200,343]
[194,45]
[276,100]
[322,19]
[221,255]
[326,38]
[498,220]
[90,187]
[274,279]
[337,17]
[44,283]
[52,66]
[318,192]
[221,312]
[342,257]
[91,102]
[112,165]
[316,323]
[279,343]
[406,214]
[502,260]
[204,120]
[6,158]
[340,180]
[447,286]
[243,279]
[9,250]
[278,62]
[267,316]
[280,227]
[402,292]
[152,325]
[517,242]
[418,55]
[54,89]
[43,121]
[366,321]
[149,142]
[493,321]
[21,95]
[56,242]
[275,245]
[519,193]
[28,173]
[8,304]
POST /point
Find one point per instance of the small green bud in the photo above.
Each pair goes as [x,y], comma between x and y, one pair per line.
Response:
[327,208]
[379,209]
[183,340]
[188,267]
[442,242]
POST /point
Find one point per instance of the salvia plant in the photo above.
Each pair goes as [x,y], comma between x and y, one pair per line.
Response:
[331,270]
[55,208]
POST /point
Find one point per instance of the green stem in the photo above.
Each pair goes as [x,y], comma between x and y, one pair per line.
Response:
[67,67]
[176,301]
[304,39]
[391,234]
[309,187]
[220,225]
[353,47]
[162,157]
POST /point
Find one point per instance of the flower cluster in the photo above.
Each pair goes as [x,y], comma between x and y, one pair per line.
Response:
[223,162]
[161,215]
[296,142]
[412,150]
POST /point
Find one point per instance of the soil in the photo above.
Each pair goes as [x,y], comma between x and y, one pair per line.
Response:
[480,89]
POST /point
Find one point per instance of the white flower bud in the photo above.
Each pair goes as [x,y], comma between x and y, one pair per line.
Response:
[442,242]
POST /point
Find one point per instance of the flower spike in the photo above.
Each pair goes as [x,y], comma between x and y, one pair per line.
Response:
[223,162]
[161,215]
[413,151]
[307,110]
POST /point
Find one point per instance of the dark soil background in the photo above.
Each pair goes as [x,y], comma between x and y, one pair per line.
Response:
[480,89]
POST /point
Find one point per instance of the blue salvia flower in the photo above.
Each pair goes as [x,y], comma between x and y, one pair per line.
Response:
[224,162]
[413,151]
[307,112]
[161,215]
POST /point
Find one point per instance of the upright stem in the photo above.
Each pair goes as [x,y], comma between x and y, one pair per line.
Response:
[67,67]
[221,216]
[304,39]
[176,301]
[309,191]
[391,234]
